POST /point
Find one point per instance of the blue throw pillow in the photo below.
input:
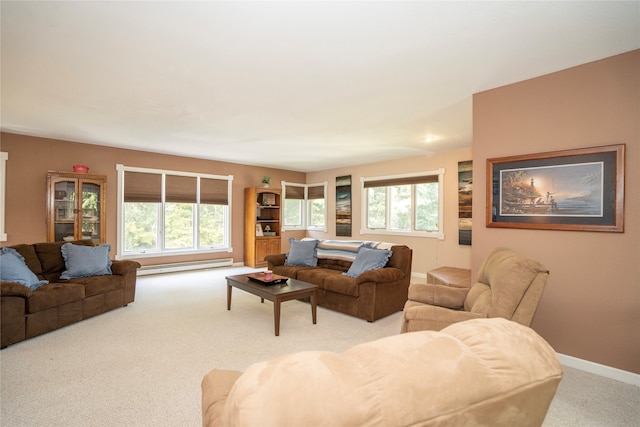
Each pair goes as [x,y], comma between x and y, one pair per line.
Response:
[14,269]
[368,259]
[85,261]
[302,253]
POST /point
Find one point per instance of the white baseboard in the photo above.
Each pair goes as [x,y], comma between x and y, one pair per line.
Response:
[598,369]
[419,277]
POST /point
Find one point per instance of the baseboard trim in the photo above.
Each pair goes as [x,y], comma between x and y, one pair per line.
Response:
[598,369]
[419,277]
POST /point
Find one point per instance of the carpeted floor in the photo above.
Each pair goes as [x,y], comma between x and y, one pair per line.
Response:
[142,365]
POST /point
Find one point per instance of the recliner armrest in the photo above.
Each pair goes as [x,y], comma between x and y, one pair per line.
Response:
[439,295]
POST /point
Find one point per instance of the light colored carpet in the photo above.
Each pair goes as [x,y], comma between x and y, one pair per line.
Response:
[142,365]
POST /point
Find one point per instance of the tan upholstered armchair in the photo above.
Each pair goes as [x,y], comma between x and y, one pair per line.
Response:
[508,286]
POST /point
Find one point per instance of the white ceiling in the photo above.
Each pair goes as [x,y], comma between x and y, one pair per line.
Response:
[303,86]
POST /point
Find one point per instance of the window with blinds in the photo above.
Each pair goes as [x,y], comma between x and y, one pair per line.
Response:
[403,204]
[164,212]
[305,206]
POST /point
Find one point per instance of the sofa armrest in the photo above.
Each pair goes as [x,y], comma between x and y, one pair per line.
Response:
[440,295]
[122,267]
[12,289]
[381,275]
[275,260]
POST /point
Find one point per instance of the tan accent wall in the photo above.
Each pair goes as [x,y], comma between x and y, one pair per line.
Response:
[30,158]
[590,308]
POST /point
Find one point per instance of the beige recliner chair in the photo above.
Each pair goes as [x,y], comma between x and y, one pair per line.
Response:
[508,286]
[484,372]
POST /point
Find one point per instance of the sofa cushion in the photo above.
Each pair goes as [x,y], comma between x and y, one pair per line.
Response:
[14,269]
[85,261]
[368,259]
[54,295]
[341,284]
[302,253]
[317,276]
[30,257]
[288,270]
[50,256]
[95,285]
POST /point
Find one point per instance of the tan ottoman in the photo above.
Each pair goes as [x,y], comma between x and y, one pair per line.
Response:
[450,276]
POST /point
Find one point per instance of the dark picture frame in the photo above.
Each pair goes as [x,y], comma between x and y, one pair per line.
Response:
[576,190]
[343,206]
[465,202]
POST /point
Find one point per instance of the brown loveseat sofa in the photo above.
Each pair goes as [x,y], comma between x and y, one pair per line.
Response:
[27,313]
[372,295]
[482,372]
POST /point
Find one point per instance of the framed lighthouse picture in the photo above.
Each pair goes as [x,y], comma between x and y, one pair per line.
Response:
[577,190]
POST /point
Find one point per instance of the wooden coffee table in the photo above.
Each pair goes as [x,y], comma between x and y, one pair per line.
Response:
[291,289]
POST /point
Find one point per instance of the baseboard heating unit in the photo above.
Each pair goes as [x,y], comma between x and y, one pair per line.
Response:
[184,266]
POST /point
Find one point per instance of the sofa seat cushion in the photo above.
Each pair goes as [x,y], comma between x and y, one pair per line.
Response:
[97,285]
[341,284]
[54,295]
[317,276]
[289,270]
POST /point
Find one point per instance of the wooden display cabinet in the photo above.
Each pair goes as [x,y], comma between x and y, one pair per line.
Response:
[76,206]
[261,224]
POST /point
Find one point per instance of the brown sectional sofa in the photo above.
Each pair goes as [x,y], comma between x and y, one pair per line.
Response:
[26,313]
[374,294]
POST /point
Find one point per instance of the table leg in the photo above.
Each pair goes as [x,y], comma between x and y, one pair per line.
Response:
[276,315]
[314,301]
[229,296]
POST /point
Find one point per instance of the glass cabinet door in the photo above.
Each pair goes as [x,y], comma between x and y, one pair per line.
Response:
[64,210]
[90,205]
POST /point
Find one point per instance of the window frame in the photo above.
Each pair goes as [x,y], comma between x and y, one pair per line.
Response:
[436,234]
[305,206]
[4,156]
[162,251]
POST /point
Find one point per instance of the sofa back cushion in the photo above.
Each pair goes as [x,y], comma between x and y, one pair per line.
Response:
[50,256]
[28,252]
[334,264]
[14,269]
